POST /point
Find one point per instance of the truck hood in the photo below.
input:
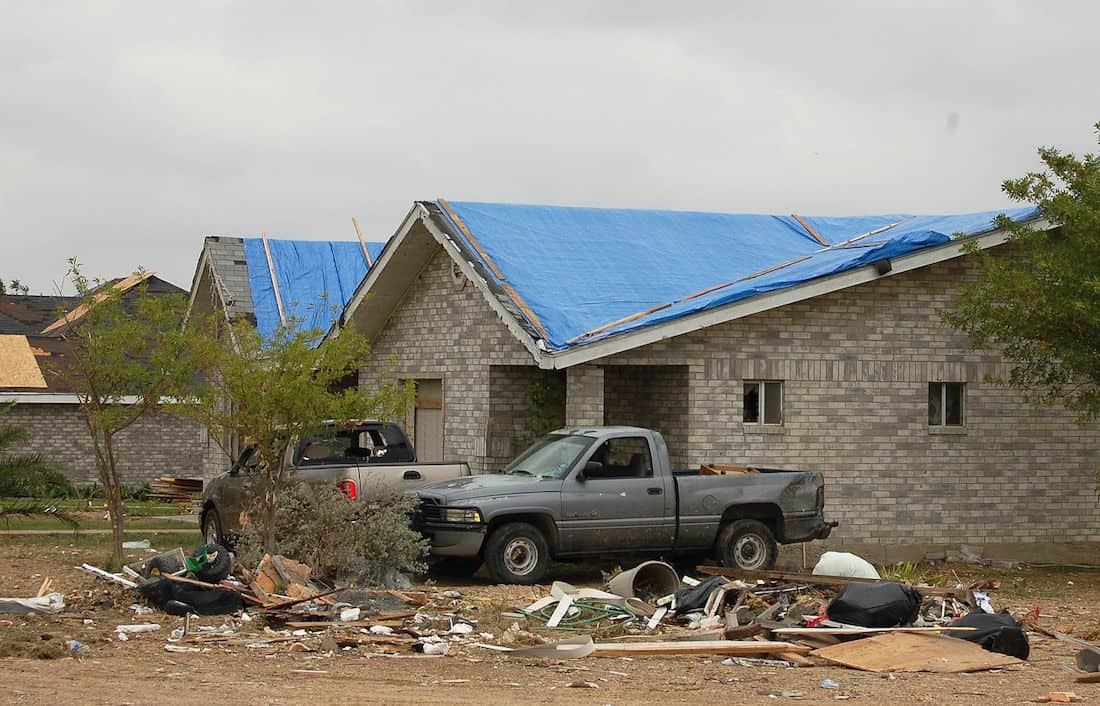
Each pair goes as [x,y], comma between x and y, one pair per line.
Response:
[458,490]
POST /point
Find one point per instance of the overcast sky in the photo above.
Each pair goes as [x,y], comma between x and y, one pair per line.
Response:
[128,131]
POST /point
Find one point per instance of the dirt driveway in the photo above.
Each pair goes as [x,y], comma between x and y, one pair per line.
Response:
[141,671]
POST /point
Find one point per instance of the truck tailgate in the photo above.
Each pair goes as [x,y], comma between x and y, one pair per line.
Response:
[405,476]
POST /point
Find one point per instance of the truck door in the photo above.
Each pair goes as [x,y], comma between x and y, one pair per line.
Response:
[621,506]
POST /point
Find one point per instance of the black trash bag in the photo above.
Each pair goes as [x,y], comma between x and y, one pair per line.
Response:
[695,597]
[996,632]
[876,605]
[177,598]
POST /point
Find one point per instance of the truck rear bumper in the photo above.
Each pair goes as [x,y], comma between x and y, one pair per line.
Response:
[806,528]
[452,540]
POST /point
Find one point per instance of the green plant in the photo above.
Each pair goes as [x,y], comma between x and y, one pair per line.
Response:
[30,508]
[140,492]
[903,572]
[121,365]
[269,391]
[1037,299]
[545,407]
[339,538]
[26,475]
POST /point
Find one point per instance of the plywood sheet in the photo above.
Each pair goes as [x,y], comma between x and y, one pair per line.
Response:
[914,652]
[18,366]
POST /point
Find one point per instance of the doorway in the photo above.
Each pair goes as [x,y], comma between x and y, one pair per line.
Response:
[428,420]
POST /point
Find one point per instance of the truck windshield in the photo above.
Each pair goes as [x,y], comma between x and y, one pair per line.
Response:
[550,457]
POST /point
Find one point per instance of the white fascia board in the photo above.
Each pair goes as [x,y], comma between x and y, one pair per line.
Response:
[375,270]
[468,270]
[54,398]
[772,300]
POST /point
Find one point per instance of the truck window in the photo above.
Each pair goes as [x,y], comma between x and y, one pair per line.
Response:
[552,456]
[624,457]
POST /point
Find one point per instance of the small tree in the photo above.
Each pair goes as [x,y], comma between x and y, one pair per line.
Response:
[121,365]
[1038,298]
[269,392]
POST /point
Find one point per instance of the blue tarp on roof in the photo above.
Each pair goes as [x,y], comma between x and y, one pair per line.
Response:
[316,279]
[580,269]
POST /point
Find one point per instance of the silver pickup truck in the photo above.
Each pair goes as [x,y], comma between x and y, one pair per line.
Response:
[359,457]
[610,490]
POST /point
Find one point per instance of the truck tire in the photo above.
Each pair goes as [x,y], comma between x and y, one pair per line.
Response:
[747,544]
[212,528]
[517,553]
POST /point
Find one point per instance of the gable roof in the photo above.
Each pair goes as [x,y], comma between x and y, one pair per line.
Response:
[18,366]
[575,284]
[313,278]
[28,314]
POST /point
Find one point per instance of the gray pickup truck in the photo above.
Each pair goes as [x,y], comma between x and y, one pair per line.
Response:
[359,457]
[610,490]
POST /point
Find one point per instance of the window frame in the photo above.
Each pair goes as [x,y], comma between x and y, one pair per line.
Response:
[761,404]
[943,385]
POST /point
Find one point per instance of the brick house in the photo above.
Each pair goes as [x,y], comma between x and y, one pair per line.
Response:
[270,283]
[32,347]
[809,343]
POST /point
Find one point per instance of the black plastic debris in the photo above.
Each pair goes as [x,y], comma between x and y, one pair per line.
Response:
[876,605]
[996,632]
[179,598]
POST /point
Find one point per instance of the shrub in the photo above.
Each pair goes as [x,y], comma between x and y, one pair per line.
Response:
[339,538]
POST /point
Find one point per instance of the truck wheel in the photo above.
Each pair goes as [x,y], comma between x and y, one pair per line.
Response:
[455,567]
[517,553]
[747,544]
[212,528]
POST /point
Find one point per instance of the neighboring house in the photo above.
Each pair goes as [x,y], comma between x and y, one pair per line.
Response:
[809,343]
[271,283]
[32,349]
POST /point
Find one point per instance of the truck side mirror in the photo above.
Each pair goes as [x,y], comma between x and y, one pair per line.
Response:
[590,467]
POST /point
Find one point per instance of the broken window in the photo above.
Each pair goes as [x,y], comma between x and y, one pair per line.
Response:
[946,401]
[763,402]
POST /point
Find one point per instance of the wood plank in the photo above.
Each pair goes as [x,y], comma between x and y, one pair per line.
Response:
[810,229]
[821,580]
[707,647]
[362,241]
[914,652]
[274,279]
[800,632]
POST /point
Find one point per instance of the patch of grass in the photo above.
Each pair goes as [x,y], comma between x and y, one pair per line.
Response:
[133,508]
[46,523]
[100,543]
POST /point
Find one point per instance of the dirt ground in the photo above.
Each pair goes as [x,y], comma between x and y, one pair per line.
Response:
[141,671]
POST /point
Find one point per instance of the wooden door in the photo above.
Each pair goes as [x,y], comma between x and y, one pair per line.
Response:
[428,420]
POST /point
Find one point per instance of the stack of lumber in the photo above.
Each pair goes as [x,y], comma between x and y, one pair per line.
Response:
[177,490]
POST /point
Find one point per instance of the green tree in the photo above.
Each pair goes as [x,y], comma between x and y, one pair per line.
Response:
[1038,298]
[28,474]
[13,287]
[121,365]
[268,392]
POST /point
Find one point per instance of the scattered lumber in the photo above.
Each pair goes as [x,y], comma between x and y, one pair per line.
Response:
[182,491]
[703,647]
[821,580]
[914,652]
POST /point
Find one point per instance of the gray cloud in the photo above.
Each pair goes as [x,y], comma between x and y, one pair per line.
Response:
[130,130]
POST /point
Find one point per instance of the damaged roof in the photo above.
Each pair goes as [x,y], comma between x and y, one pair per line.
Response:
[578,275]
[313,279]
[575,284]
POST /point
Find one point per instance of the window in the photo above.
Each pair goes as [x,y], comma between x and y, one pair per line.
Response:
[763,403]
[624,457]
[946,402]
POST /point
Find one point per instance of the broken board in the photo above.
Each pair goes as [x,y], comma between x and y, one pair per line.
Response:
[716,647]
[914,652]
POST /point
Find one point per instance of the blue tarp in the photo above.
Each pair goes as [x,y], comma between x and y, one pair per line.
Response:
[316,279]
[579,269]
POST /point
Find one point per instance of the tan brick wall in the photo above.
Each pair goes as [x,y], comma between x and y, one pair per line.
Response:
[154,446]
[443,329]
[856,366]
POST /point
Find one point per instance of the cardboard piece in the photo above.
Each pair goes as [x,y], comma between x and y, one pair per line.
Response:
[913,652]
